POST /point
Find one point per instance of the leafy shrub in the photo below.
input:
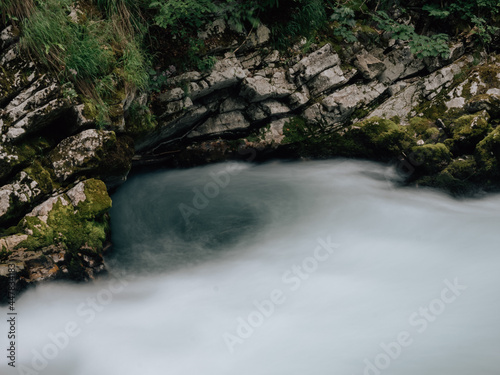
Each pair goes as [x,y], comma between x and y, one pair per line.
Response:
[420,45]
[344,17]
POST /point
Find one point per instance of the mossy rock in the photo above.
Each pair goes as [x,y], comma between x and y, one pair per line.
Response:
[484,102]
[374,138]
[42,176]
[85,225]
[16,157]
[423,129]
[431,158]
[458,178]
[95,153]
[490,75]
[487,156]
[467,131]
[139,120]
[377,138]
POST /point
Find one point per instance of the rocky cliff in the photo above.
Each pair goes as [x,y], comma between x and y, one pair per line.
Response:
[435,118]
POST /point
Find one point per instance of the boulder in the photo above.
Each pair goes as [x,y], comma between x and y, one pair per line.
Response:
[81,153]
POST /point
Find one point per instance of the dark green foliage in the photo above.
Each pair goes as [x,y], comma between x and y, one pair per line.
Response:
[345,21]
[98,54]
[477,14]
[421,45]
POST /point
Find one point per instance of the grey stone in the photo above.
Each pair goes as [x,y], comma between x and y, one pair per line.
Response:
[232,104]
[171,95]
[345,101]
[274,108]
[369,66]
[259,88]
[327,80]
[80,152]
[223,123]
[315,63]
[18,195]
[400,64]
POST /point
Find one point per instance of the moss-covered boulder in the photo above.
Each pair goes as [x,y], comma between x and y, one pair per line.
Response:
[376,138]
[488,157]
[74,219]
[423,129]
[61,238]
[431,158]
[485,102]
[458,178]
[466,132]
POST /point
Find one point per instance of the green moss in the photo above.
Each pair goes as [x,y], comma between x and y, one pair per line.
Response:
[98,201]
[377,138]
[84,227]
[457,178]
[21,155]
[432,110]
[360,113]
[41,176]
[489,74]
[139,120]
[396,119]
[296,130]
[40,235]
[487,156]
[467,132]
[424,129]
[432,158]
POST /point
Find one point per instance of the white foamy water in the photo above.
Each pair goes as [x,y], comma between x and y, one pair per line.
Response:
[316,268]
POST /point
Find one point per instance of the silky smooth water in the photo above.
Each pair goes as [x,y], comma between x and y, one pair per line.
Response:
[296,268]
